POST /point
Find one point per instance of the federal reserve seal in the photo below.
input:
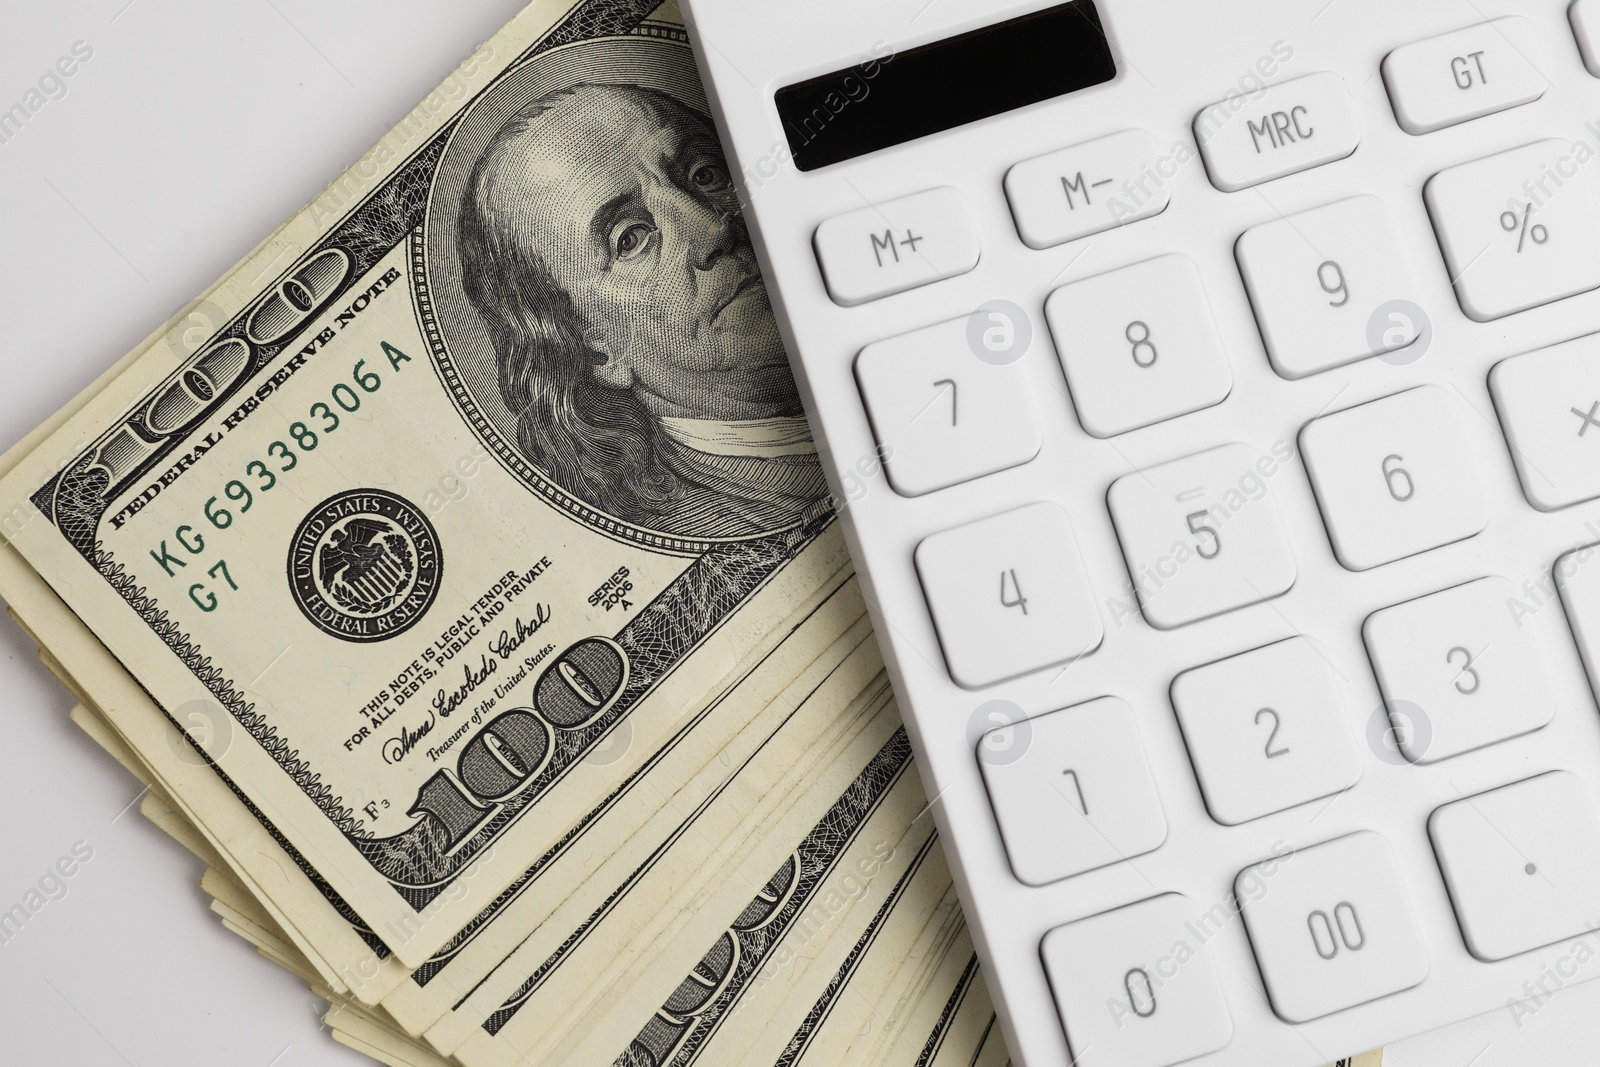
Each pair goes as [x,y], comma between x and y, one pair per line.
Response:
[365,565]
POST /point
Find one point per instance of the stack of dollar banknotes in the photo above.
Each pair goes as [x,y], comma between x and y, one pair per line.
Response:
[460,576]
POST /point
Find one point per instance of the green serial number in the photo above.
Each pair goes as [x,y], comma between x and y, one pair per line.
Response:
[345,397]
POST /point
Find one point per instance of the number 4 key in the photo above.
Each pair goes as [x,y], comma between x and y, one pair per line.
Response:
[1044,614]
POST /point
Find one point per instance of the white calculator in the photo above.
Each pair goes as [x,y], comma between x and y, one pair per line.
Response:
[1212,396]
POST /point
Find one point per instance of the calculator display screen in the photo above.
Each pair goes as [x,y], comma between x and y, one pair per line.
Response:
[892,97]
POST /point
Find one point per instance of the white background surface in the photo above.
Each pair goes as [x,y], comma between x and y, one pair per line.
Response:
[195,130]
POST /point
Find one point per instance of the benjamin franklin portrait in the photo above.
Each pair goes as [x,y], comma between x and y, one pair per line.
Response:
[601,243]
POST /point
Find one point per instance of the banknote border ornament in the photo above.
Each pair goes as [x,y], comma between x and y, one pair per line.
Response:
[422,573]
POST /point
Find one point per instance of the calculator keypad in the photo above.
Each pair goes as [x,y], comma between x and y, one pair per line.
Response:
[940,413]
[1202,535]
[1123,994]
[1266,730]
[1330,286]
[1457,671]
[1466,74]
[1281,130]
[897,245]
[1082,190]
[1331,927]
[1072,791]
[1138,345]
[1008,595]
[1393,478]
[1515,234]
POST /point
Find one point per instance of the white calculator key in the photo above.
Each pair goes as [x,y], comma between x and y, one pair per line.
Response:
[1289,127]
[1522,864]
[1549,404]
[1465,74]
[1585,18]
[1331,927]
[942,415]
[1202,535]
[1458,671]
[1125,999]
[1321,283]
[1009,595]
[1072,791]
[1517,229]
[1085,189]
[1138,345]
[1266,730]
[1393,478]
[897,245]
[1577,576]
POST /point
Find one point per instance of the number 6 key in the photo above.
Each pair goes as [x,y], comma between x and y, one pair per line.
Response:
[1393,478]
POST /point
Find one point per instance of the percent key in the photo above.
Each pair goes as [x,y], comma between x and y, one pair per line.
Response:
[1517,229]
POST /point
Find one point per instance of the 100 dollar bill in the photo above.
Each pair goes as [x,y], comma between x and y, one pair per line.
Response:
[504,464]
